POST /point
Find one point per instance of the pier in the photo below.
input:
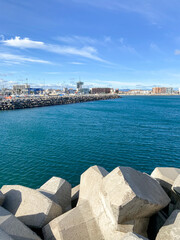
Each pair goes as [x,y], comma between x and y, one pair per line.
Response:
[32,102]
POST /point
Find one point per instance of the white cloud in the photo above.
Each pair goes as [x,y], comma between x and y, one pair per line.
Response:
[16,59]
[177,52]
[76,39]
[107,39]
[86,52]
[121,40]
[155,48]
[152,10]
[23,43]
[126,48]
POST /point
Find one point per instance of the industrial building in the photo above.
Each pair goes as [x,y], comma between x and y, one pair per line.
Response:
[82,90]
[25,89]
[100,90]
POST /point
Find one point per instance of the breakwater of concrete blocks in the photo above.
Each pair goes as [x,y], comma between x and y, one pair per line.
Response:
[123,204]
[31,102]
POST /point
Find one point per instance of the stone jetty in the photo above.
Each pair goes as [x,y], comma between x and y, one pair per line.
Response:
[32,102]
[123,204]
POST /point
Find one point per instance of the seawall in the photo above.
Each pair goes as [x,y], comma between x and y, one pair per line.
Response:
[123,204]
[20,103]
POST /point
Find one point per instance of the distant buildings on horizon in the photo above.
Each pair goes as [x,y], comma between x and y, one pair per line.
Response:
[26,90]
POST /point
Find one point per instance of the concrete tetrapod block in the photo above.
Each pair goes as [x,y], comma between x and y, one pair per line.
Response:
[14,228]
[129,194]
[176,185]
[90,191]
[90,184]
[29,205]
[1,198]
[59,191]
[5,236]
[171,228]
[138,226]
[77,224]
[132,236]
[75,195]
[165,176]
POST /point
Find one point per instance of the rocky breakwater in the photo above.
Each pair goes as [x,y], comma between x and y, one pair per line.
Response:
[20,103]
[124,204]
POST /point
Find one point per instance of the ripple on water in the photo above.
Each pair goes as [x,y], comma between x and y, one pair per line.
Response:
[36,144]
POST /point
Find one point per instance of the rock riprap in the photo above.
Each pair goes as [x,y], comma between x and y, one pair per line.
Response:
[165,176]
[176,185]
[132,194]
[1,198]
[114,203]
[5,236]
[169,179]
[31,102]
[11,227]
[124,204]
[171,228]
[59,191]
[132,236]
[29,205]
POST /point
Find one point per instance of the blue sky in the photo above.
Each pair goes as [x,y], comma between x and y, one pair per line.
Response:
[113,43]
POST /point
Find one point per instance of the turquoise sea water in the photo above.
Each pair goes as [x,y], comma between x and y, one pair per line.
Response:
[138,131]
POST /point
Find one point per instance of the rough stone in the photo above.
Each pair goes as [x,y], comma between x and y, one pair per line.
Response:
[109,206]
[176,185]
[88,219]
[171,228]
[59,191]
[75,192]
[77,224]
[15,229]
[138,226]
[132,236]
[5,236]
[155,223]
[29,206]
[75,195]
[130,194]
[1,198]
[165,176]
[93,178]
[90,185]
[11,104]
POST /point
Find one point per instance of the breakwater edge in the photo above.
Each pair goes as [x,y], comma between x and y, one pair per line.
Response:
[32,102]
[124,204]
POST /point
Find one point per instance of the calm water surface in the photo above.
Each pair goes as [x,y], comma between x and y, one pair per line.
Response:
[35,144]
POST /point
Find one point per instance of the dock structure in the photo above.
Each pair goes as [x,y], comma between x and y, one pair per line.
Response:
[32,102]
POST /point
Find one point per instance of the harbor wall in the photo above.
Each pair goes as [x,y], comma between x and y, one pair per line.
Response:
[20,103]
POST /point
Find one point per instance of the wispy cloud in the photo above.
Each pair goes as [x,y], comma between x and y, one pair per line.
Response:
[126,47]
[16,59]
[154,46]
[76,39]
[150,9]
[86,52]
[177,52]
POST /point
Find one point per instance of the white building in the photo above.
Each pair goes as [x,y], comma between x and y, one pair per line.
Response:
[169,90]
